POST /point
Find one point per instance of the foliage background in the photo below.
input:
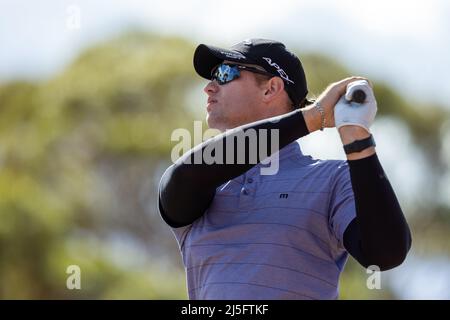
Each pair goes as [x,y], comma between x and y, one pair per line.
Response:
[82,151]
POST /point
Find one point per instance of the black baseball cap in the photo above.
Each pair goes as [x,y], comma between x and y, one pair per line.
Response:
[268,54]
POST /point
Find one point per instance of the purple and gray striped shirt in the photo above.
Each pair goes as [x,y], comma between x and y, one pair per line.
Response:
[272,236]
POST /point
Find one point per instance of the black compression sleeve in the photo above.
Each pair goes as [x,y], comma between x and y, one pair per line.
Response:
[188,186]
[379,235]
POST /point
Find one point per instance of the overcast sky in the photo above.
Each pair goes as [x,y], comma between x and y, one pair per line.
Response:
[406,43]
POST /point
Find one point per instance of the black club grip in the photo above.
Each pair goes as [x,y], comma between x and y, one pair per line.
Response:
[358,96]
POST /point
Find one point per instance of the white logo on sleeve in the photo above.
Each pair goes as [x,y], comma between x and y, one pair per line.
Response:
[281,72]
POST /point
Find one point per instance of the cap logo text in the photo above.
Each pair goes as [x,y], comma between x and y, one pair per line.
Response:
[280,71]
[233,55]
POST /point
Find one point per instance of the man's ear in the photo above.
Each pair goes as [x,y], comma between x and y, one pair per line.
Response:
[273,88]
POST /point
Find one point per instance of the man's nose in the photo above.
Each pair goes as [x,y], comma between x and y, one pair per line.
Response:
[211,87]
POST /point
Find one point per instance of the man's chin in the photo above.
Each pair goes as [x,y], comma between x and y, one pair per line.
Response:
[214,124]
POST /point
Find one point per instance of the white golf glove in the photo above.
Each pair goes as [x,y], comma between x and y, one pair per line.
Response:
[348,113]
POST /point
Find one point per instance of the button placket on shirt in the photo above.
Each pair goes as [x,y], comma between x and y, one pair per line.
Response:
[248,190]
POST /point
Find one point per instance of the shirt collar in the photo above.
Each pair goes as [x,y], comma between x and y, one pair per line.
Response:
[292,149]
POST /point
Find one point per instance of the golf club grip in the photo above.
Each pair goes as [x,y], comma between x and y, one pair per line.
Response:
[358,96]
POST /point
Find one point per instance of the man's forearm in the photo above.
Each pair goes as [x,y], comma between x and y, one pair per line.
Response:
[379,235]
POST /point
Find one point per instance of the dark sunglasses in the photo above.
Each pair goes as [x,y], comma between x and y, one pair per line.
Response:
[225,73]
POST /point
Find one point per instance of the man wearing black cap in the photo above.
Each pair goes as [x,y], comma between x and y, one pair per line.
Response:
[244,234]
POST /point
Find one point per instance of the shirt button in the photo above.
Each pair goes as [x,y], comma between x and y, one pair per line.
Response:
[244,192]
[249,180]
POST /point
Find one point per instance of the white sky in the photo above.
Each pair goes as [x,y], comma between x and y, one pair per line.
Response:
[406,43]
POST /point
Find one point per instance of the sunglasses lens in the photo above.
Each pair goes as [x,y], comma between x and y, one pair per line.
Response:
[225,73]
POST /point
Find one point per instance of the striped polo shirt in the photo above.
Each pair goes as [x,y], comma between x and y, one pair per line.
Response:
[272,236]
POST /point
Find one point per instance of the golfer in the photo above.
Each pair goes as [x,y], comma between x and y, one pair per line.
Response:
[247,233]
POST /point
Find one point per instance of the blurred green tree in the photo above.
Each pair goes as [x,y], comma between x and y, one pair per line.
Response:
[81,155]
